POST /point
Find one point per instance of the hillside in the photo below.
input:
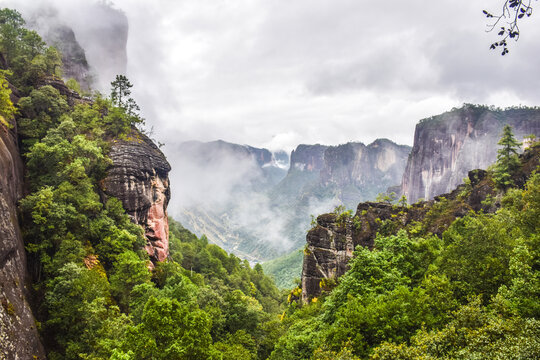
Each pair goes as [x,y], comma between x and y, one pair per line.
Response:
[454,277]
[100,271]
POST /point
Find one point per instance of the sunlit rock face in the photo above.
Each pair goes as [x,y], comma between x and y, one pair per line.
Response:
[447,146]
[139,178]
[19,338]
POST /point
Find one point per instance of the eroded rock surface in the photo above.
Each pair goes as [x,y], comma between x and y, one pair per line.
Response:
[449,145]
[139,178]
[19,338]
[359,172]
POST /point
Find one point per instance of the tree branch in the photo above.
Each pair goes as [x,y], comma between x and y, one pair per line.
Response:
[512,12]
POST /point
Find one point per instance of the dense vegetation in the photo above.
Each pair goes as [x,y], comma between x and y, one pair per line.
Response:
[286,269]
[471,294]
[98,297]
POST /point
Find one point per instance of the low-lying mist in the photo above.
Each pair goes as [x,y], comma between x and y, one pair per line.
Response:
[228,193]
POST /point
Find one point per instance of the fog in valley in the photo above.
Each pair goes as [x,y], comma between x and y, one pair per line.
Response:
[276,74]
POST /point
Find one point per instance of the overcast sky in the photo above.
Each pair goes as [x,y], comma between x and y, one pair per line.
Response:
[279,73]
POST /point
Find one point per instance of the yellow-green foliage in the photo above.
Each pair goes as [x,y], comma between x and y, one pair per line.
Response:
[7,109]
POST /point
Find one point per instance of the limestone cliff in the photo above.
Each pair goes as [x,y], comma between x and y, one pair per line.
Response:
[447,146]
[19,338]
[138,177]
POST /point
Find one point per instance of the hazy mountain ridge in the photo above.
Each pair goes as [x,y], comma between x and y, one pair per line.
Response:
[259,210]
[225,194]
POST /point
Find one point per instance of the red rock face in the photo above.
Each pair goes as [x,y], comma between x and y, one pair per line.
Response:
[157,223]
[139,178]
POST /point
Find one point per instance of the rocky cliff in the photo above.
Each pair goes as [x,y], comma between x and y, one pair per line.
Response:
[139,178]
[93,52]
[308,158]
[331,241]
[19,338]
[75,64]
[350,172]
[447,146]
[358,172]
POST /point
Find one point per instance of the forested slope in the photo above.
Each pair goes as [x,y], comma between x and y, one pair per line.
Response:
[96,292]
[453,278]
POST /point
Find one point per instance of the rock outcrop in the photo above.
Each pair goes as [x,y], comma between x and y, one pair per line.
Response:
[447,146]
[139,178]
[19,338]
[331,242]
[74,60]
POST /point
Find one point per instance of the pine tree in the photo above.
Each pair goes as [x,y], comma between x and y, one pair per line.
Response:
[120,97]
[507,158]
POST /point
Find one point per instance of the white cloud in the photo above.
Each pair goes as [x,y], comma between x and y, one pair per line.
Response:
[274,73]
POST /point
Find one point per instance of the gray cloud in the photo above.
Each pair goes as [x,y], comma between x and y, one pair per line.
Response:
[275,74]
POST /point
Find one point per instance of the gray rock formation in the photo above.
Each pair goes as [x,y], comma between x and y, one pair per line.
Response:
[329,248]
[19,338]
[447,146]
[139,178]
[308,158]
[73,56]
[358,172]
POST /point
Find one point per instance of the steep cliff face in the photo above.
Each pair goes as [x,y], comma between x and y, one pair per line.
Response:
[447,146]
[73,56]
[350,172]
[360,172]
[308,158]
[139,178]
[330,244]
[19,338]
[93,52]
[329,248]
